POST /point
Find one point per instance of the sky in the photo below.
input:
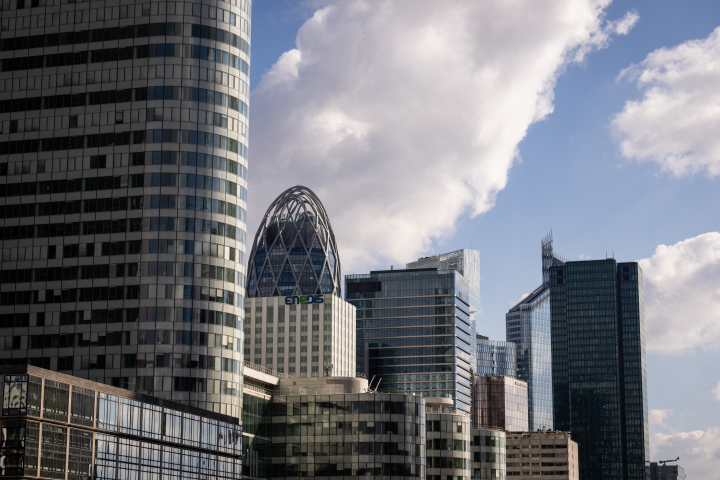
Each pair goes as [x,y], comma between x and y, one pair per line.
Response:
[426,127]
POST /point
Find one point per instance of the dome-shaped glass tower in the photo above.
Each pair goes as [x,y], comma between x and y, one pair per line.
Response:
[294,252]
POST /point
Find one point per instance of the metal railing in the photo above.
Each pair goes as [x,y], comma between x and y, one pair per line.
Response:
[268,371]
[256,388]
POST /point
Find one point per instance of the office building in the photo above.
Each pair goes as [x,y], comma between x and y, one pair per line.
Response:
[495,357]
[598,352]
[542,455]
[289,433]
[302,340]
[123,189]
[294,252]
[662,471]
[57,426]
[413,331]
[528,327]
[500,402]
[296,321]
[465,261]
[488,453]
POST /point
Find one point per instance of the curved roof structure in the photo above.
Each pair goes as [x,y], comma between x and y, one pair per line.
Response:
[294,252]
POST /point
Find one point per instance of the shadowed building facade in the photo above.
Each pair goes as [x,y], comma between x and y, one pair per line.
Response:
[599,379]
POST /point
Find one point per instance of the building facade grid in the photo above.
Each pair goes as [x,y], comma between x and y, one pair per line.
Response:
[123,189]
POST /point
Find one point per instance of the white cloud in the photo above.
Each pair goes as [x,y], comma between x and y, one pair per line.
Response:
[584,257]
[682,295]
[676,122]
[657,416]
[699,451]
[522,297]
[716,393]
[403,116]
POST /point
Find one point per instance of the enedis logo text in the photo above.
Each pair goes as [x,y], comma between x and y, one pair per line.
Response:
[304,299]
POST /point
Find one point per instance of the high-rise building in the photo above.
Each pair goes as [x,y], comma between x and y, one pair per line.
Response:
[465,261]
[500,402]
[495,357]
[294,252]
[413,331]
[123,189]
[528,327]
[302,340]
[297,322]
[540,455]
[598,373]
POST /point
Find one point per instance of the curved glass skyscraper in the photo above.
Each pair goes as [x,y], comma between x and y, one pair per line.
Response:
[294,252]
[123,167]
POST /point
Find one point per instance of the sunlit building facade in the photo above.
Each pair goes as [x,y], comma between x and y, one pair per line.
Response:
[123,190]
[413,331]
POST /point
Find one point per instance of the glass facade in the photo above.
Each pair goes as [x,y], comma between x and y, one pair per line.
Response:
[496,358]
[465,261]
[105,433]
[294,252]
[528,327]
[448,444]
[488,454]
[311,340]
[369,435]
[500,402]
[413,331]
[123,193]
[599,379]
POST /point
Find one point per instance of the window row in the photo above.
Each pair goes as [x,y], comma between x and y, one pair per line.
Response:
[124,11]
[119,315]
[125,53]
[112,75]
[187,137]
[187,115]
[119,270]
[128,292]
[122,33]
[53,274]
[130,247]
[97,227]
[173,202]
[141,94]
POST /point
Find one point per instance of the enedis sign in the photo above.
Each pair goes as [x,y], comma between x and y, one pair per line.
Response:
[304,299]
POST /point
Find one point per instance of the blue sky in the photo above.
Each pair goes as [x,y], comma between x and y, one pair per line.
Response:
[570,176]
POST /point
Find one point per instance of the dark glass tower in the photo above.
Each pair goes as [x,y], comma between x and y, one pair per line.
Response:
[294,252]
[413,331]
[598,354]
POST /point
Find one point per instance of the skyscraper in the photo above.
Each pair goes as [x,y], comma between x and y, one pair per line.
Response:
[528,326]
[413,331]
[598,355]
[297,322]
[294,252]
[464,261]
[123,189]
